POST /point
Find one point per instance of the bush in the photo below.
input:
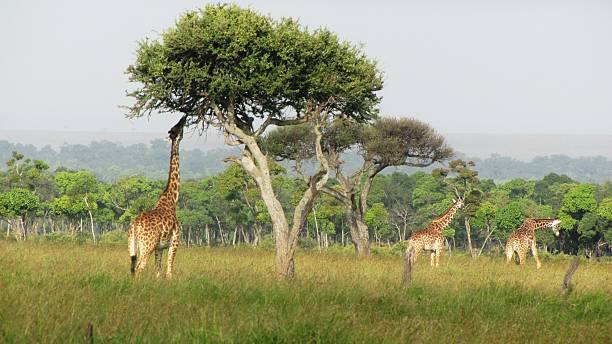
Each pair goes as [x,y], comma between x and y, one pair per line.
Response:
[115,237]
[67,237]
[399,248]
[267,242]
[381,251]
[306,243]
[337,248]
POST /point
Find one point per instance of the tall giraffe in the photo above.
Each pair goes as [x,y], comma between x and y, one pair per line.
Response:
[158,228]
[431,238]
[524,238]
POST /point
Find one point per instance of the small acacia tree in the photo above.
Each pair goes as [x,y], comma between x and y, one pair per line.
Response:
[241,72]
[463,179]
[383,143]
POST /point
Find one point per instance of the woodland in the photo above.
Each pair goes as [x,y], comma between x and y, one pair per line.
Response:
[40,204]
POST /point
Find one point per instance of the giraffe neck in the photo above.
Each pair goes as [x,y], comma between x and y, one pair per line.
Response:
[538,224]
[443,221]
[170,195]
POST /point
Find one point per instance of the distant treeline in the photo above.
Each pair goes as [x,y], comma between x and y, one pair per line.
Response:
[111,161]
[38,203]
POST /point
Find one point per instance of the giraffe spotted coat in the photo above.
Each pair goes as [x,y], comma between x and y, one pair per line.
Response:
[523,239]
[158,228]
[431,238]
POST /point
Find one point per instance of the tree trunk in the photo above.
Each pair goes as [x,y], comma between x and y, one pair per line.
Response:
[489,232]
[207,235]
[220,231]
[23,228]
[359,234]
[255,162]
[234,236]
[93,233]
[468,231]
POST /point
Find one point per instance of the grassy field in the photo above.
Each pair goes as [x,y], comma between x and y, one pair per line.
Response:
[51,292]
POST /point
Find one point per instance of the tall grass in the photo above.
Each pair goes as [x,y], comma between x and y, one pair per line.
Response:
[51,292]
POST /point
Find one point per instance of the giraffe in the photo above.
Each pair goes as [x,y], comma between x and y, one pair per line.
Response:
[431,238]
[524,238]
[158,228]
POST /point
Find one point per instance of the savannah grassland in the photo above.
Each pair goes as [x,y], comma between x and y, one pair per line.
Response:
[50,292]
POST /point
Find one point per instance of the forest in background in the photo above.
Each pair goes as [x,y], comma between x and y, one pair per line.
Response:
[40,203]
[111,161]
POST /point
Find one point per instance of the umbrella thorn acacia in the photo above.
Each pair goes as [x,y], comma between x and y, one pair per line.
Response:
[241,72]
[382,143]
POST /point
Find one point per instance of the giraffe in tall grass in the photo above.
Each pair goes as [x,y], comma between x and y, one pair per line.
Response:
[431,238]
[521,240]
[158,228]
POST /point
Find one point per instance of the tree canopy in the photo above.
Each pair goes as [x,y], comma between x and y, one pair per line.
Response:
[235,60]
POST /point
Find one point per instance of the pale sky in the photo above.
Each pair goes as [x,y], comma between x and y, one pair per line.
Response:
[462,66]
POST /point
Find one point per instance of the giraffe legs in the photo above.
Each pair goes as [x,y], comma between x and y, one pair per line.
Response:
[145,252]
[534,251]
[158,259]
[417,253]
[522,255]
[434,258]
[509,253]
[172,250]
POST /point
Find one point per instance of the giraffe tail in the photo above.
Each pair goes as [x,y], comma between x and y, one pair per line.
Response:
[132,242]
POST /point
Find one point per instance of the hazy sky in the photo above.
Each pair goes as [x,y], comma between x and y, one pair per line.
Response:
[463,66]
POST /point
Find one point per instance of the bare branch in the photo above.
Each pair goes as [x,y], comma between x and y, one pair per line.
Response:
[335,194]
[278,122]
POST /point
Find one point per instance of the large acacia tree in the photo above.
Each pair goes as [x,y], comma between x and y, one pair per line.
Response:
[241,72]
[382,143]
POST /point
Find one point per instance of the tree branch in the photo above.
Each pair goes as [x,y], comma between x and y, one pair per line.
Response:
[335,194]
[278,122]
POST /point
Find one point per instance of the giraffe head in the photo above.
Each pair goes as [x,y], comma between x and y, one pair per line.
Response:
[555,226]
[176,132]
[458,203]
[546,222]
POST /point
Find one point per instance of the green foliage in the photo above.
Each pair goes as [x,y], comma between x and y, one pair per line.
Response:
[307,243]
[18,202]
[377,219]
[114,237]
[509,218]
[398,205]
[605,209]
[62,237]
[577,202]
[242,60]
[268,243]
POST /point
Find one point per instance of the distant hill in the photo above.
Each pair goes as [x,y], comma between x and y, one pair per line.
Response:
[528,146]
[517,146]
[56,139]
[112,160]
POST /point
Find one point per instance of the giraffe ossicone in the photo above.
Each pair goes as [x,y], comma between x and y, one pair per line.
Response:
[158,228]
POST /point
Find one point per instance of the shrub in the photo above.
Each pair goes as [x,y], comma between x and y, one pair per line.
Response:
[337,248]
[307,243]
[65,237]
[115,237]
[399,248]
[267,243]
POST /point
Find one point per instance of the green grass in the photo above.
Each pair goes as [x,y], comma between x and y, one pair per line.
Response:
[49,292]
